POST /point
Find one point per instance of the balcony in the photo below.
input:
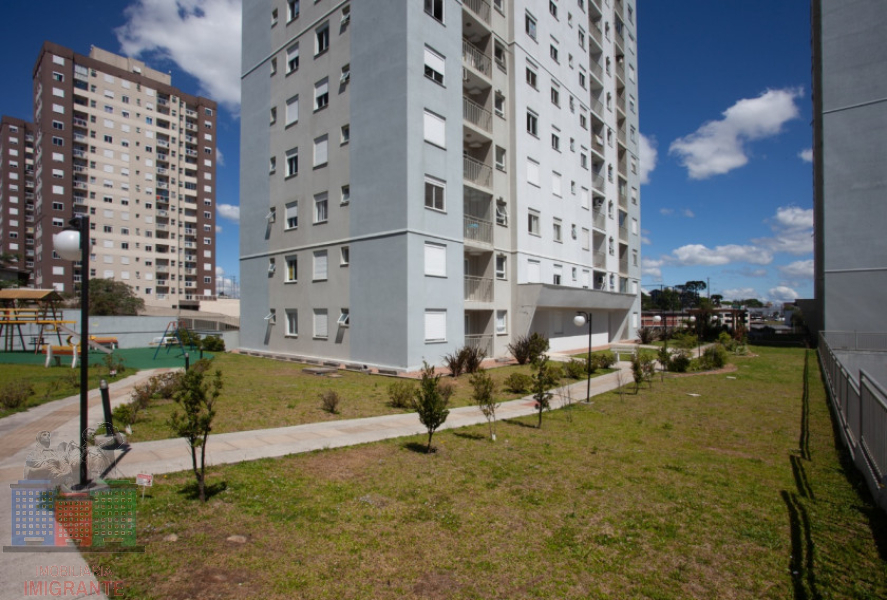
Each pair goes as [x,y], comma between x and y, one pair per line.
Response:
[620,102]
[597,107]
[478,230]
[597,70]
[481,8]
[595,33]
[478,289]
[476,60]
[620,135]
[477,172]
[480,341]
[477,115]
[600,259]
[599,182]
[599,219]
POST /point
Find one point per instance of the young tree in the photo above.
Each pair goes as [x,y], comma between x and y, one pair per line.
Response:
[112,298]
[430,403]
[642,368]
[543,380]
[196,396]
[484,388]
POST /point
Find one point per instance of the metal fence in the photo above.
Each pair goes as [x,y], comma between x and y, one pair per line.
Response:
[860,405]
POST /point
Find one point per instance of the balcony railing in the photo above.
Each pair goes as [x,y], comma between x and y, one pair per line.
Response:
[620,135]
[620,100]
[479,7]
[478,289]
[477,60]
[480,341]
[477,115]
[623,265]
[597,106]
[600,258]
[599,182]
[478,230]
[596,33]
[599,219]
[477,172]
[623,232]
[597,70]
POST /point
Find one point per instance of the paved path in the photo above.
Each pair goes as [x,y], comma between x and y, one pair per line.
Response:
[18,437]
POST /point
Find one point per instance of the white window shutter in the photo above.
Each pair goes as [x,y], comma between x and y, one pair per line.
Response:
[435,260]
[435,325]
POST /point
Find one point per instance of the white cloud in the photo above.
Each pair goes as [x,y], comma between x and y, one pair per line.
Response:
[793,231]
[646,240]
[782,293]
[230,212]
[666,211]
[648,156]
[798,269]
[651,267]
[697,254]
[218,229]
[219,271]
[740,293]
[688,213]
[806,155]
[718,147]
[220,158]
[201,36]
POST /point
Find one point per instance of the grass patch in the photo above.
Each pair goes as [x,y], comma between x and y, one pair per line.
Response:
[657,495]
[260,393]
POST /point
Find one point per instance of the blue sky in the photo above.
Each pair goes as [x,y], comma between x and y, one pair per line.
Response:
[724,108]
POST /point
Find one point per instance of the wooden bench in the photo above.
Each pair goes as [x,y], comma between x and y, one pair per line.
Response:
[57,352]
[105,341]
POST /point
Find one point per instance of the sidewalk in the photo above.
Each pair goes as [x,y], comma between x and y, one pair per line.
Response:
[18,436]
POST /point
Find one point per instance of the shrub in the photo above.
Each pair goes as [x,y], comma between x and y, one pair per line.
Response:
[528,348]
[679,361]
[189,337]
[430,403]
[555,370]
[484,389]
[543,380]
[643,367]
[446,389]
[329,401]
[646,335]
[15,394]
[685,339]
[576,369]
[466,359]
[124,415]
[213,343]
[400,393]
[519,383]
[605,360]
[114,364]
[714,357]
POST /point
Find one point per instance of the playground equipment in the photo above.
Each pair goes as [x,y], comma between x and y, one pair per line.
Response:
[33,308]
[172,336]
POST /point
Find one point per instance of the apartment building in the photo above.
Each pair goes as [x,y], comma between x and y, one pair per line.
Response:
[113,139]
[17,196]
[421,175]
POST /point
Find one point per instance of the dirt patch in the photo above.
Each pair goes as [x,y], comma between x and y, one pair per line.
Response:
[342,466]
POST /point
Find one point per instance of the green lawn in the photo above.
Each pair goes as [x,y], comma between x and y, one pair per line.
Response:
[261,393]
[736,491]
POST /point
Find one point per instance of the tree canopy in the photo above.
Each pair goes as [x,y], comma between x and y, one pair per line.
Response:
[112,298]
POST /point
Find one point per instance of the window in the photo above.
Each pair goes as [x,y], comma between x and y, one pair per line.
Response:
[321,207]
[346,74]
[435,129]
[533,223]
[321,146]
[501,322]
[583,121]
[292,215]
[586,236]
[322,93]
[552,8]
[555,142]
[292,10]
[531,77]
[500,158]
[582,79]
[557,231]
[57,76]
[273,118]
[583,160]
[499,104]
[272,164]
[292,269]
[435,193]
[322,39]
[435,9]
[532,123]
[273,17]
[345,134]
[530,25]
[435,260]
[435,66]
[556,184]
[292,162]
[532,172]
[57,141]
[345,256]
[58,125]
[320,265]
[581,38]
[292,110]
[292,322]
[499,55]
[501,266]
[552,51]
[346,194]
[555,96]
[557,275]
[274,66]
[534,271]
[435,325]
[321,323]
[292,58]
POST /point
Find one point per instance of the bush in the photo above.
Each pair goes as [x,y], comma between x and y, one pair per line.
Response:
[466,359]
[685,339]
[124,415]
[555,371]
[679,362]
[519,383]
[400,393]
[643,367]
[15,394]
[646,335]
[714,357]
[329,401]
[430,402]
[576,369]
[213,343]
[526,349]
[605,360]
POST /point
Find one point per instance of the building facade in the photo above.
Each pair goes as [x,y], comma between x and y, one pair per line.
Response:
[115,140]
[418,176]
[17,220]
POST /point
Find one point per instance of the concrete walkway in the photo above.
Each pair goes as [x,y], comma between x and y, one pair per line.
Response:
[18,437]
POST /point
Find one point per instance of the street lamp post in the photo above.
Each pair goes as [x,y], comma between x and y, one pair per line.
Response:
[695,331]
[579,320]
[73,244]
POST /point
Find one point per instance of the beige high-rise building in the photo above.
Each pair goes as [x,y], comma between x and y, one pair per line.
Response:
[114,139]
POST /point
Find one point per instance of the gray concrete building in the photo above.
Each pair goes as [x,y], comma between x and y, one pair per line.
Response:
[17,161]
[419,176]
